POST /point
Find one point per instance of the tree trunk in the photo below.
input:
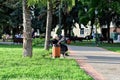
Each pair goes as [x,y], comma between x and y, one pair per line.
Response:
[65,30]
[108,34]
[92,22]
[60,19]
[48,24]
[27,31]
[70,30]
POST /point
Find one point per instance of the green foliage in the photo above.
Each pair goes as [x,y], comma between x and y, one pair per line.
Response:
[38,2]
[69,3]
[84,20]
[15,67]
[115,49]
[103,7]
[38,42]
[91,12]
[11,12]
[45,53]
[4,15]
[116,7]
[39,19]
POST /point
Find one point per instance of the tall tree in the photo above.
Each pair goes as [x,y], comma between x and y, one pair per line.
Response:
[48,24]
[27,30]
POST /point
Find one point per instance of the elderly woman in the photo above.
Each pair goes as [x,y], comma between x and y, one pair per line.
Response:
[57,41]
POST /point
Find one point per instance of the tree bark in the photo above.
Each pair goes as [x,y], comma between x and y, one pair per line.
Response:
[48,24]
[92,22]
[27,31]
[108,34]
[65,30]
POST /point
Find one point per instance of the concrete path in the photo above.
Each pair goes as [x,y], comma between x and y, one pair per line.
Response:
[6,43]
[101,64]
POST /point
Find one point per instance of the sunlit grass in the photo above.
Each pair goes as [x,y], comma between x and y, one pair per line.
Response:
[115,49]
[13,66]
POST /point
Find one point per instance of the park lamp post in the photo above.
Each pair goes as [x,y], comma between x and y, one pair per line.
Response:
[96,35]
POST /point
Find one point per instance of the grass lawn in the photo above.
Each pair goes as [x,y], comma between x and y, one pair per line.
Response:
[15,67]
[112,47]
[117,49]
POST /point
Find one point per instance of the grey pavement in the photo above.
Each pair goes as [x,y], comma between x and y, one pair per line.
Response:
[6,43]
[105,62]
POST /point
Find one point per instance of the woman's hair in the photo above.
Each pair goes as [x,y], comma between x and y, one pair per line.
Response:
[55,36]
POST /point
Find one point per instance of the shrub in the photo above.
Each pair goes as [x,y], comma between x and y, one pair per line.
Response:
[38,41]
[45,53]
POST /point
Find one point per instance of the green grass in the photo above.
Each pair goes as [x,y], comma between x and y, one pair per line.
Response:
[112,47]
[84,43]
[117,49]
[15,67]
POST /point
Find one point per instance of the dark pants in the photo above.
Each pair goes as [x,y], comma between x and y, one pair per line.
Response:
[64,48]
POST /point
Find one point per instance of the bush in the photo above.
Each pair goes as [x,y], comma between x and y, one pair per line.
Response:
[38,41]
[45,53]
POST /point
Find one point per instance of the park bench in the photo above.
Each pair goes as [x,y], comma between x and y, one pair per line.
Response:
[74,39]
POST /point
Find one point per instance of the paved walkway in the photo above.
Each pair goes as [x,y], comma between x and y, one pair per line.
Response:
[101,64]
[6,43]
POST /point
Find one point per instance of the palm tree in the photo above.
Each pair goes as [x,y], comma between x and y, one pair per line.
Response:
[27,31]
